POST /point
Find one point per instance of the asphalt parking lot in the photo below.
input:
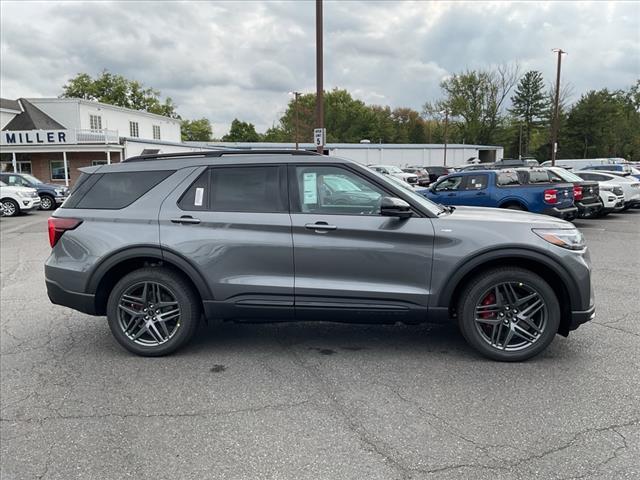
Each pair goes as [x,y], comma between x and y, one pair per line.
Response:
[316,401]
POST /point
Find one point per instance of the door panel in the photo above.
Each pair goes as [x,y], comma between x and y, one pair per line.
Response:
[245,257]
[358,267]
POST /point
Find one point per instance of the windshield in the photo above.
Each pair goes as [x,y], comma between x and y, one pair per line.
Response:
[634,170]
[31,179]
[566,175]
[434,208]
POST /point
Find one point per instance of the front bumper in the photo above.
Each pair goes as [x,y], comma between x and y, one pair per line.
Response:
[83,302]
[60,199]
[581,316]
[29,203]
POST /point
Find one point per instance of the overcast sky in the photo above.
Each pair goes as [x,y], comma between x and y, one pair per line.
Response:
[223,60]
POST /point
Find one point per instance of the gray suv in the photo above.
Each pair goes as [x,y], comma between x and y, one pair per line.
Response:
[158,241]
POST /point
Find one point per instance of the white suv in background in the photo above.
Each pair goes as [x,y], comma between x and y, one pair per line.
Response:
[397,172]
[15,200]
[630,185]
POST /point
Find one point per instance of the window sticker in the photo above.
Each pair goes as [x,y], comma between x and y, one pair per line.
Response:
[309,188]
[198,197]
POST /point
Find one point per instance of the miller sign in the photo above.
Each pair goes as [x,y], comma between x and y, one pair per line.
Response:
[37,137]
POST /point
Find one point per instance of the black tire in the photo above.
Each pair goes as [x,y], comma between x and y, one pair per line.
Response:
[10,207]
[515,206]
[47,202]
[187,300]
[472,296]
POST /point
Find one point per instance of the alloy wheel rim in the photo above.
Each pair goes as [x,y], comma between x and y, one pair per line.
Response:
[511,316]
[9,208]
[149,314]
[45,203]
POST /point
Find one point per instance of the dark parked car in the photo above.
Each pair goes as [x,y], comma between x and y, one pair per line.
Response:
[153,243]
[51,195]
[513,189]
[586,193]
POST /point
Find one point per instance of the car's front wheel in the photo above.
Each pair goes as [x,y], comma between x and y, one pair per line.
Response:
[10,207]
[508,314]
[153,311]
[47,202]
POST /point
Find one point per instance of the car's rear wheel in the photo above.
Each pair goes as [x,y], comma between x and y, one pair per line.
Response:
[47,202]
[515,206]
[10,207]
[508,314]
[153,311]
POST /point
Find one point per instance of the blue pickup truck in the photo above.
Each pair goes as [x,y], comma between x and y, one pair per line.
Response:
[526,189]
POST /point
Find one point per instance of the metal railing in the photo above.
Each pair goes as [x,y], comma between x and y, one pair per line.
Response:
[97,136]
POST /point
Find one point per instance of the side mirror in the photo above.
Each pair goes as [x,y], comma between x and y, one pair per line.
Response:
[395,207]
[432,187]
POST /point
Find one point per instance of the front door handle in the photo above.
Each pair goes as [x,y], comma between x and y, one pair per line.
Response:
[320,227]
[186,219]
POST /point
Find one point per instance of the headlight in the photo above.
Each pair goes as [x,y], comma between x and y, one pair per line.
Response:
[59,192]
[569,238]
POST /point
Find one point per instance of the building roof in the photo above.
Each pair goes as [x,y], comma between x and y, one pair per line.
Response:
[7,104]
[32,118]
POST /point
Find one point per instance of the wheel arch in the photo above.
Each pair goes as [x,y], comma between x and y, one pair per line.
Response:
[514,201]
[109,271]
[537,262]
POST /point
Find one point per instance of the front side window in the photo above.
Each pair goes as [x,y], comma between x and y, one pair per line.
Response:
[57,170]
[156,132]
[449,184]
[133,129]
[335,191]
[477,182]
[95,122]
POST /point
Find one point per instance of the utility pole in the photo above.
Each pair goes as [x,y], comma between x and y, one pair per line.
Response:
[556,109]
[319,72]
[520,143]
[297,118]
[446,128]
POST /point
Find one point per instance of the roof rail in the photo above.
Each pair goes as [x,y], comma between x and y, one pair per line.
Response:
[217,153]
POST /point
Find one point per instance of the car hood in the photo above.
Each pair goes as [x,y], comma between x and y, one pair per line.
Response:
[52,186]
[503,215]
[16,188]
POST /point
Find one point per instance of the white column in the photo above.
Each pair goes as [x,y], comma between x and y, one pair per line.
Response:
[14,162]
[108,157]
[66,173]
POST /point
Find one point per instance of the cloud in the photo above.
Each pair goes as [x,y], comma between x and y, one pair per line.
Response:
[225,60]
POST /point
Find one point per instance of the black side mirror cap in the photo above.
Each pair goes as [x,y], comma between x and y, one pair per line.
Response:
[395,207]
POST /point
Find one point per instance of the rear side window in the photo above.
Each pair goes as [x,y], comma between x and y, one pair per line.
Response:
[538,176]
[508,178]
[238,189]
[113,191]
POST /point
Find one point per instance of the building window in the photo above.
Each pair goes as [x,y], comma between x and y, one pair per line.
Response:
[57,170]
[95,122]
[133,129]
[95,163]
[156,132]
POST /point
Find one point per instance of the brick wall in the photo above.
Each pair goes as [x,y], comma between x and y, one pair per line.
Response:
[41,164]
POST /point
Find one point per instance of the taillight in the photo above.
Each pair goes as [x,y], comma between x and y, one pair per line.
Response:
[551,196]
[577,192]
[57,226]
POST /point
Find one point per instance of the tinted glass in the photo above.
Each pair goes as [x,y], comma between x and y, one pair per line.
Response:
[335,191]
[197,195]
[508,178]
[247,189]
[449,184]
[538,176]
[113,191]
[476,182]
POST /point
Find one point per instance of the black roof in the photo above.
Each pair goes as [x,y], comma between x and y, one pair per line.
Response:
[32,118]
[10,104]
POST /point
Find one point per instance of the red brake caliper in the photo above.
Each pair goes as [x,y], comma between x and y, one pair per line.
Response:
[490,299]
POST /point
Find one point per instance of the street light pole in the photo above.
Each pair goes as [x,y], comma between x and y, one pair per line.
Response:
[297,118]
[319,72]
[556,109]
[446,128]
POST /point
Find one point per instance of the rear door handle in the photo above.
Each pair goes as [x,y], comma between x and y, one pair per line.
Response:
[186,219]
[480,194]
[320,227]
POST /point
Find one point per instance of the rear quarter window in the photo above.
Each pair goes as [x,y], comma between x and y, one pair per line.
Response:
[508,178]
[113,191]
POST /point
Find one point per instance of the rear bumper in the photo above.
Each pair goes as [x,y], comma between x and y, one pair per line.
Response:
[568,212]
[588,209]
[581,316]
[83,302]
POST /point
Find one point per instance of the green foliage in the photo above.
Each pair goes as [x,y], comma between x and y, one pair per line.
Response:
[529,106]
[117,90]
[196,130]
[241,132]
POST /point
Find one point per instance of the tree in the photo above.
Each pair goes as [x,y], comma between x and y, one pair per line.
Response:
[241,132]
[117,90]
[196,130]
[529,105]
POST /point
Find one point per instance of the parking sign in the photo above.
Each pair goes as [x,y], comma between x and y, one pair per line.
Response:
[319,135]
